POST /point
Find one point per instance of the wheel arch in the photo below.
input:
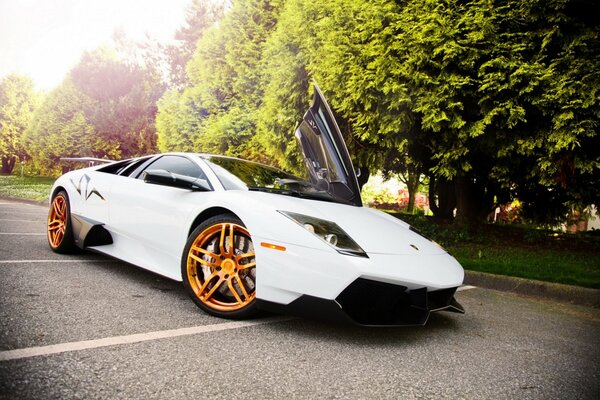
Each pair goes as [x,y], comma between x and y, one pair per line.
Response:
[57,189]
[209,213]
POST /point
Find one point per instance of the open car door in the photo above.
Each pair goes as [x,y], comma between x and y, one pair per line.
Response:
[325,153]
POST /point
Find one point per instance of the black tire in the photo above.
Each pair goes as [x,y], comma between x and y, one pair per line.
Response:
[59,227]
[221,279]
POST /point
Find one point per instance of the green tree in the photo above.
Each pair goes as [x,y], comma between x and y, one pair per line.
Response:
[286,88]
[105,108]
[124,96]
[17,104]
[491,99]
[200,15]
[469,91]
[218,110]
[60,129]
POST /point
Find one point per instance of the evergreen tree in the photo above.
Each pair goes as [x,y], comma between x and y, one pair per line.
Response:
[491,99]
[17,104]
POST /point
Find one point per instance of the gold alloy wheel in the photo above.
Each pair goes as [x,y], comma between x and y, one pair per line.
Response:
[221,268]
[57,221]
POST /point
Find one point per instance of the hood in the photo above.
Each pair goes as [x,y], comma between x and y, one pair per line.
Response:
[374,231]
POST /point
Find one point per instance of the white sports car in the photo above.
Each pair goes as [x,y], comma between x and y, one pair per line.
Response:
[243,236]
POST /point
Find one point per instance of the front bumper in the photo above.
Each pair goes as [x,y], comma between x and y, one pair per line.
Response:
[371,303]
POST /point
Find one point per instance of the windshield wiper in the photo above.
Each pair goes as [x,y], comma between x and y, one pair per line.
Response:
[324,196]
[285,181]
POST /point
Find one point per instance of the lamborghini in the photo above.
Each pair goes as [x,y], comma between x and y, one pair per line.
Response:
[245,237]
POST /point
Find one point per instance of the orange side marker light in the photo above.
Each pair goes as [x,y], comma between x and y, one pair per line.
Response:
[272,246]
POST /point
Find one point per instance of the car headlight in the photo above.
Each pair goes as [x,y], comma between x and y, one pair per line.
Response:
[329,232]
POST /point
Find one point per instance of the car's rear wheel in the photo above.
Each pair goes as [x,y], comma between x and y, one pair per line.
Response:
[218,268]
[60,232]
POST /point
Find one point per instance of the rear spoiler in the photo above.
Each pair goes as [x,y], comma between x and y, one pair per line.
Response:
[87,159]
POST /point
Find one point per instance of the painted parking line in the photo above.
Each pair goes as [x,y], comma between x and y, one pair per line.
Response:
[55,261]
[135,338]
[18,206]
[21,220]
[10,215]
[14,211]
[466,287]
[22,234]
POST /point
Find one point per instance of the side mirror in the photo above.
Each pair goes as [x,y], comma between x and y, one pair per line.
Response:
[166,178]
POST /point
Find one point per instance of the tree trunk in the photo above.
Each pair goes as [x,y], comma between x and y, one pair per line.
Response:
[8,164]
[472,202]
[412,184]
[442,198]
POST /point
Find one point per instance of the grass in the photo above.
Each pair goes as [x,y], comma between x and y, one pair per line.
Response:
[27,187]
[499,249]
[573,268]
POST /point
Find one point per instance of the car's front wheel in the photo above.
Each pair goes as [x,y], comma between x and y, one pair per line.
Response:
[218,268]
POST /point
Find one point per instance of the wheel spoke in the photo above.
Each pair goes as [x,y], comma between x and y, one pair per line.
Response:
[206,282]
[234,292]
[246,266]
[222,240]
[239,281]
[212,290]
[242,256]
[205,252]
[54,225]
[202,261]
[55,208]
[231,243]
[58,238]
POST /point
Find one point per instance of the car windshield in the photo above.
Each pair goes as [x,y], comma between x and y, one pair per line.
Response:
[236,174]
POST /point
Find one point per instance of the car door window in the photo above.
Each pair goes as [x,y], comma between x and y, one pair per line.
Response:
[134,168]
[178,165]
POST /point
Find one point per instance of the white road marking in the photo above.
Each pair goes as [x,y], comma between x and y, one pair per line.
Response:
[21,220]
[10,213]
[53,261]
[466,287]
[21,205]
[136,338]
[22,234]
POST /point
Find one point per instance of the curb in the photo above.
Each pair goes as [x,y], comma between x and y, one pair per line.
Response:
[26,201]
[554,291]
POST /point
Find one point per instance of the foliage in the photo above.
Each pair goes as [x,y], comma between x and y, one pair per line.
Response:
[124,97]
[286,81]
[464,87]
[104,108]
[60,128]
[489,99]
[17,103]
[217,114]
[200,16]
[380,198]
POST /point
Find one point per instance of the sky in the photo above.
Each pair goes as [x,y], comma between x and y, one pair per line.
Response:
[44,39]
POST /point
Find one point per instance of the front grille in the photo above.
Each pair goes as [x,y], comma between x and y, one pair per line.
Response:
[371,302]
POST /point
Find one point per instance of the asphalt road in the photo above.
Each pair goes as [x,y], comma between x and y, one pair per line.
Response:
[90,327]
